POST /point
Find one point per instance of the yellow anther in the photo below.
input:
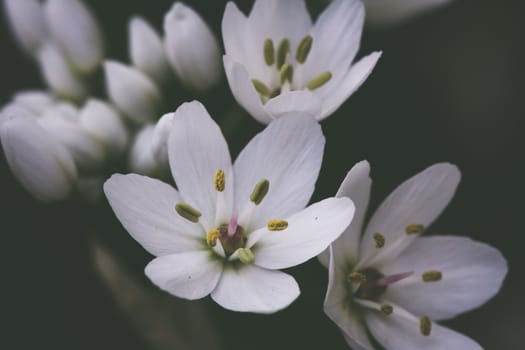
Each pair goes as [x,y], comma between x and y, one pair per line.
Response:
[282,52]
[212,237]
[261,87]
[277,225]
[303,49]
[425,325]
[286,73]
[413,229]
[246,256]
[319,81]
[219,180]
[269,52]
[357,277]
[432,276]
[387,309]
[380,240]
[188,212]
[260,191]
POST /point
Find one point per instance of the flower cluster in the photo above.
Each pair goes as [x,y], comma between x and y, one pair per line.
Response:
[228,228]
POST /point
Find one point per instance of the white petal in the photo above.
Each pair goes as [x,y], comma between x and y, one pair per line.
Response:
[349,84]
[189,275]
[76,31]
[288,153]
[147,50]
[356,186]
[35,100]
[248,288]
[234,32]
[388,12]
[133,92]
[42,165]
[338,307]
[300,101]
[59,75]
[146,208]
[142,160]
[244,91]
[26,19]
[309,232]
[160,137]
[400,333]
[472,273]
[192,48]
[419,200]
[197,149]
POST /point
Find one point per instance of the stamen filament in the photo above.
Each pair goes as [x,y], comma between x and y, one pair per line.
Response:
[282,52]
[303,49]
[188,212]
[319,80]
[269,52]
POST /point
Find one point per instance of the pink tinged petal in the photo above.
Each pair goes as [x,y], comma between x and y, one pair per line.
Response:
[349,84]
[401,331]
[309,232]
[472,273]
[190,275]
[42,165]
[299,101]
[419,200]
[196,150]
[146,209]
[249,288]
[290,167]
[243,90]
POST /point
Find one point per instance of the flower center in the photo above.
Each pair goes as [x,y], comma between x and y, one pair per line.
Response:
[231,237]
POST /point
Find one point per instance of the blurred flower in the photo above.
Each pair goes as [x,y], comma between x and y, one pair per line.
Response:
[147,50]
[35,101]
[132,91]
[26,19]
[192,48]
[76,32]
[395,283]
[388,12]
[229,228]
[277,60]
[160,137]
[142,159]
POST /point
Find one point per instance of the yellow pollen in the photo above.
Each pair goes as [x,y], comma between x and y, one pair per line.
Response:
[319,80]
[188,212]
[286,73]
[380,240]
[219,180]
[260,191]
[269,52]
[282,51]
[387,309]
[277,225]
[261,88]
[303,49]
[432,276]
[425,325]
[212,237]
[414,229]
[357,277]
[246,256]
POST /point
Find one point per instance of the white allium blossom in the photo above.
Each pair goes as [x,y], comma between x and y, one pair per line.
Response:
[387,12]
[192,48]
[228,229]
[277,60]
[394,284]
[27,22]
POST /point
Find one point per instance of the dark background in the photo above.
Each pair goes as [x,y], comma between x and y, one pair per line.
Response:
[449,87]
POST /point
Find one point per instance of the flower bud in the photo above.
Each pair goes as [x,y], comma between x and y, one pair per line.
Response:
[77,33]
[26,19]
[161,134]
[192,48]
[147,50]
[42,165]
[58,74]
[141,158]
[104,124]
[34,100]
[132,91]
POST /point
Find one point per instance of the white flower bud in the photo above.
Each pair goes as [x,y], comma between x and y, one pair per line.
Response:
[34,100]
[192,48]
[103,123]
[141,158]
[383,13]
[62,122]
[18,110]
[59,75]
[26,19]
[42,165]
[132,91]
[147,50]
[161,134]
[77,33]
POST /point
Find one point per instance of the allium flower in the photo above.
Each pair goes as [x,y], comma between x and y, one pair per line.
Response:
[277,60]
[387,12]
[229,228]
[27,22]
[397,284]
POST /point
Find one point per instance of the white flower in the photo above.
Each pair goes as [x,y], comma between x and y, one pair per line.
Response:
[26,19]
[132,91]
[387,12]
[228,228]
[147,50]
[277,61]
[42,165]
[142,158]
[35,101]
[76,32]
[192,48]
[160,137]
[396,284]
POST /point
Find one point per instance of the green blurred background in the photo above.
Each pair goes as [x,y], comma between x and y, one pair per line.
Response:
[449,87]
